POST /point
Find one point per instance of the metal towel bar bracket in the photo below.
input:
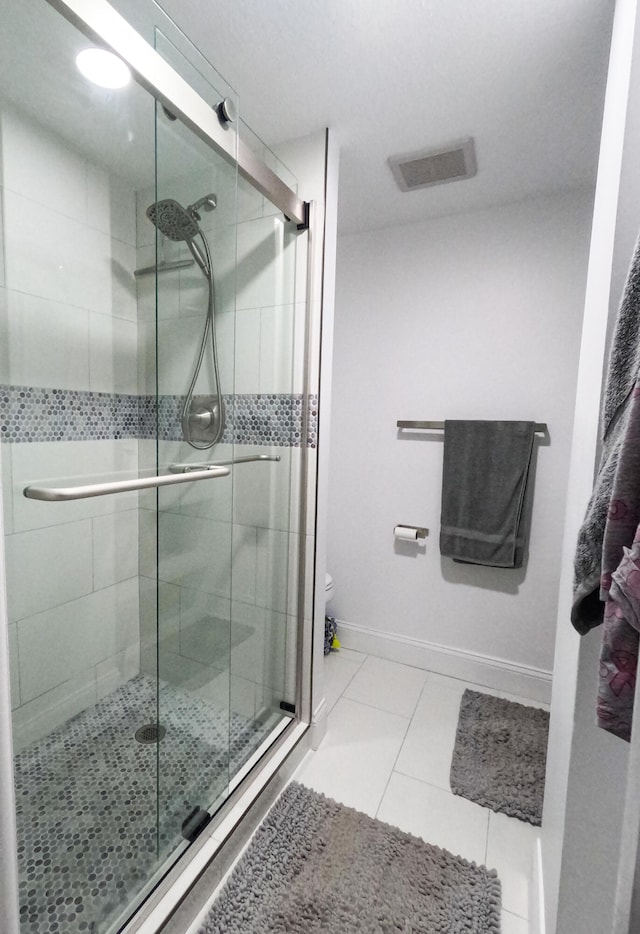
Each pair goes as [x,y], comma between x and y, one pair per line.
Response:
[540,427]
[62,494]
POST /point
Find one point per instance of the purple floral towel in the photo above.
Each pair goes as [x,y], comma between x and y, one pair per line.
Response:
[619,582]
[619,652]
[607,564]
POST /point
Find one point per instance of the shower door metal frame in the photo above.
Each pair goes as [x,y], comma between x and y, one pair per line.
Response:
[101,23]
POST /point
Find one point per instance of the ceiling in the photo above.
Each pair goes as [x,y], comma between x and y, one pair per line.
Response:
[526,80]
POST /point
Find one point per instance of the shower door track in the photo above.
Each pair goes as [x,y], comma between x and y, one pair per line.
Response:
[100,22]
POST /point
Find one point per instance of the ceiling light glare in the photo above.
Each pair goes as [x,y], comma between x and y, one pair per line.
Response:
[103,68]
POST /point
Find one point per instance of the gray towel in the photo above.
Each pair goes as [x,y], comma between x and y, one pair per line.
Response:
[486,465]
[623,371]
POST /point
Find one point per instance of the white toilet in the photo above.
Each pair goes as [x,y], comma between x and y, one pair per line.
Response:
[328,591]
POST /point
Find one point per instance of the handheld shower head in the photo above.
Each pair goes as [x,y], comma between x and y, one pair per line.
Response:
[172,220]
[177,224]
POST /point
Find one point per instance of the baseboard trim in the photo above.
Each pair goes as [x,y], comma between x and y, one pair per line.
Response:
[495,673]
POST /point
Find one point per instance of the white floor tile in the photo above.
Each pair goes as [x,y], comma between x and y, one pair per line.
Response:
[428,746]
[339,669]
[356,757]
[388,686]
[437,816]
[525,700]
[455,684]
[510,850]
[512,924]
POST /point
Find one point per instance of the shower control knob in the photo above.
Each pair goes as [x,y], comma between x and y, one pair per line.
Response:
[227,111]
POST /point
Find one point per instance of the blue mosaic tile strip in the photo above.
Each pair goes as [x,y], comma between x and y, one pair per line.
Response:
[29,414]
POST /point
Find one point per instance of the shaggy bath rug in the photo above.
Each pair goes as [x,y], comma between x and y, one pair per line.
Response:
[500,755]
[318,866]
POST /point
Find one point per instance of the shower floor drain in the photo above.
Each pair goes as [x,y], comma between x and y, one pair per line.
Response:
[150,733]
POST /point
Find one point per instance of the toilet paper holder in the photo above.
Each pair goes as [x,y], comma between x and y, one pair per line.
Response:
[420,532]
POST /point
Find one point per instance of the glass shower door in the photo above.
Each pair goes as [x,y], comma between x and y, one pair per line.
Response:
[189,223]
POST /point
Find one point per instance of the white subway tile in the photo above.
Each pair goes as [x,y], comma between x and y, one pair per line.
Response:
[7,488]
[2,275]
[122,211]
[265,268]
[40,166]
[14,666]
[113,672]
[124,297]
[272,581]
[5,375]
[115,548]
[247,351]
[47,342]
[40,716]
[244,565]
[97,198]
[261,492]
[113,354]
[56,463]
[205,628]
[276,349]
[195,552]
[178,345]
[47,567]
[72,262]
[68,640]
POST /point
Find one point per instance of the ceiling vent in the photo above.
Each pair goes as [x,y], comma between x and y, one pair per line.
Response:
[435,166]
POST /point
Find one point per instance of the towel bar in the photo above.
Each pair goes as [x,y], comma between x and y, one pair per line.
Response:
[540,427]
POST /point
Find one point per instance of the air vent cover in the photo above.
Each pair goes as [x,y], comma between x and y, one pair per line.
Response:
[434,166]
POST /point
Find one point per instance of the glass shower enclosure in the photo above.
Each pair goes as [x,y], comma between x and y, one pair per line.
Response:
[149,314]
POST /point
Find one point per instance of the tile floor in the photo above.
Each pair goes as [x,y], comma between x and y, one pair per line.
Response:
[387,752]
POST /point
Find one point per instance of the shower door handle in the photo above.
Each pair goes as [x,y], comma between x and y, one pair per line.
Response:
[52,494]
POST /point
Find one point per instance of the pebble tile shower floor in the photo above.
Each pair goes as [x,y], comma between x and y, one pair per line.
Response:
[88,797]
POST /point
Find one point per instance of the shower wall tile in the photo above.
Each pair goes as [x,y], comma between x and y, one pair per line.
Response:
[244,563]
[110,204]
[205,628]
[247,351]
[40,716]
[113,355]
[247,641]
[56,257]
[265,266]
[242,696]
[14,667]
[272,569]
[300,338]
[261,490]
[4,333]
[47,342]
[145,231]
[195,553]
[2,273]
[32,157]
[56,463]
[67,640]
[124,302]
[276,349]
[7,489]
[178,345]
[116,671]
[115,548]
[48,567]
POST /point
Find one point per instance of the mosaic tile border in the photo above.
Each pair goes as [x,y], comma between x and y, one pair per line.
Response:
[29,414]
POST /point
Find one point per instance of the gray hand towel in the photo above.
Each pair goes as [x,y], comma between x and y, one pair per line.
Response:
[486,465]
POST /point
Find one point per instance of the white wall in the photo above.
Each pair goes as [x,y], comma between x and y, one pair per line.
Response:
[469,316]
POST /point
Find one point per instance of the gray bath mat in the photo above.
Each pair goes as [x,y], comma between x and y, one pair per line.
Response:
[500,755]
[317,866]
